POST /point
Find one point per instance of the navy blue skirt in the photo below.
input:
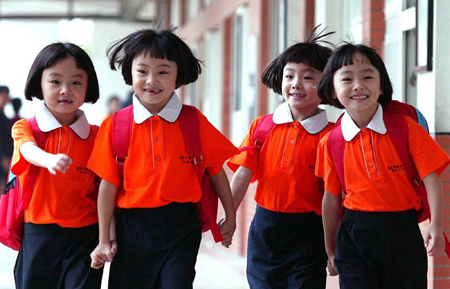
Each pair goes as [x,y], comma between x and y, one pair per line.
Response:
[286,250]
[381,250]
[157,247]
[54,257]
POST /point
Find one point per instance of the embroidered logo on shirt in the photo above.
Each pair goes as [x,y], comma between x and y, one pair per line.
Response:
[312,168]
[396,168]
[84,171]
[186,160]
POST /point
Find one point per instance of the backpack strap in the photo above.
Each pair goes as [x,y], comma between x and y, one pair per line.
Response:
[336,143]
[262,131]
[41,139]
[121,135]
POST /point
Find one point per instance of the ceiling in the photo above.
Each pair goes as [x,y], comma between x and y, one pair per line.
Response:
[127,10]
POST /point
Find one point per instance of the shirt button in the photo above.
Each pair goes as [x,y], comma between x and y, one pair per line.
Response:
[370,164]
[157,139]
[367,148]
[64,143]
[287,159]
[156,121]
[291,141]
[158,158]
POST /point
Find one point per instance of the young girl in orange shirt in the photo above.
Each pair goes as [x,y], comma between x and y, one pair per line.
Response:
[158,231]
[378,243]
[285,242]
[61,221]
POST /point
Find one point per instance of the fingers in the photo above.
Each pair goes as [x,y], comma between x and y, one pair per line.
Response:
[227,239]
[113,248]
[332,269]
[61,163]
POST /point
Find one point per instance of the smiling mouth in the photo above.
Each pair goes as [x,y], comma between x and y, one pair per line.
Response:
[153,90]
[65,101]
[358,97]
[297,95]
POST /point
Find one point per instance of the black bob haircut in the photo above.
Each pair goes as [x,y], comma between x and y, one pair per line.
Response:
[50,55]
[310,52]
[160,44]
[343,56]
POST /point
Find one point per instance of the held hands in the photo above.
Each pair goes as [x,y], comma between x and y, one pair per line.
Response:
[58,162]
[434,240]
[227,228]
[103,253]
[331,266]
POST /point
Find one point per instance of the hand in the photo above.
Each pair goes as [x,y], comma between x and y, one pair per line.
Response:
[434,240]
[103,253]
[331,266]
[58,162]
[227,228]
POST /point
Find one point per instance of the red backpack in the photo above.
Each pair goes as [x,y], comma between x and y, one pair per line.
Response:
[190,128]
[397,129]
[12,204]
[262,132]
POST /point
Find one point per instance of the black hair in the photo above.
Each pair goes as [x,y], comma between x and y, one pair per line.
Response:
[17,104]
[310,52]
[161,44]
[343,56]
[4,88]
[50,55]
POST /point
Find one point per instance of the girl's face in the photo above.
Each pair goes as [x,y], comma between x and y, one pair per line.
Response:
[299,89]
[64,87]
[357,87]
[154,81]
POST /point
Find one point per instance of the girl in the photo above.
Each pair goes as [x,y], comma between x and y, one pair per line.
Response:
[158,232]
[61,221]
[285,243]
[378,243]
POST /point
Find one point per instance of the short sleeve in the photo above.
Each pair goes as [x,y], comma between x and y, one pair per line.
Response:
[325,168]
[21,133]
[216,146]
[427,154]
[102,160]
[248,158]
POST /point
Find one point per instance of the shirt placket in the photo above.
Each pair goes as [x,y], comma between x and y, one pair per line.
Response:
[367,149]
[290,143]
[64,140]
[157,142]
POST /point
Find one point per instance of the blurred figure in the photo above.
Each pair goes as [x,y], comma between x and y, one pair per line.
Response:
[129,100]
[17,105]
[6,142]
[114,104]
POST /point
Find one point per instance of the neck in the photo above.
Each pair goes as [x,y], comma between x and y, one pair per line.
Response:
[362,119]
[300,115]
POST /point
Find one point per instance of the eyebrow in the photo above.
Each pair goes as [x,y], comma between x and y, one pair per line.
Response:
[364,70]
[57,74]
[160,65]
[306,69]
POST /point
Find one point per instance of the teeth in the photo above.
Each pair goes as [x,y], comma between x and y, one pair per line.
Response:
[359,97]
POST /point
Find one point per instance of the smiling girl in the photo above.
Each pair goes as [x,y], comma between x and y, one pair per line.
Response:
[61,221]
[378,243]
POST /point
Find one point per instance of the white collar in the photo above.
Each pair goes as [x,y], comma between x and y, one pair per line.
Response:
[312,125]
[350,129]
[47,122]
[170,111]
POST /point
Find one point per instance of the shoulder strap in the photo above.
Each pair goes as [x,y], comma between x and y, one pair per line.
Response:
[41,139]
[190,129]
[336,143]
[121,135]
[262,131]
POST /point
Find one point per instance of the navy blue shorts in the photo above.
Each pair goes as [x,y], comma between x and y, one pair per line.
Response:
[157,247]
[381,250]
[55,257]
[286,251]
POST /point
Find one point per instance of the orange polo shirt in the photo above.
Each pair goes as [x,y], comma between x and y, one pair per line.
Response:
[158,169]
[374,175]
[284,167]
[69,199]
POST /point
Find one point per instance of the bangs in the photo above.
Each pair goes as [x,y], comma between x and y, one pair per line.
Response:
[312,55]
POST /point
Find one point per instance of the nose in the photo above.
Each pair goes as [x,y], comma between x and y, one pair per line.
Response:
[65,90]
[296,84]
[358,85]
[151,79]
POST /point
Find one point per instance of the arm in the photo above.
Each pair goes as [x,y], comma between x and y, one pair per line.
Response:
[436,200]
[38,157]
[106,203]
[330,215]
[228,224]
[239,185]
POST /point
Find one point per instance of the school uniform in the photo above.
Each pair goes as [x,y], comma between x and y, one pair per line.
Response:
[61,227]
[158,231]
[379,244]
[285,243]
